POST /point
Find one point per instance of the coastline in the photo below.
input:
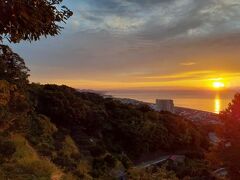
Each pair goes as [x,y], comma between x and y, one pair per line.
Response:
[194,115]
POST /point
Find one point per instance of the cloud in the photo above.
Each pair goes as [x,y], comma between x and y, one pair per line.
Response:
[122,23]
[188,63]
[198,75]
[130,40]
[159,19]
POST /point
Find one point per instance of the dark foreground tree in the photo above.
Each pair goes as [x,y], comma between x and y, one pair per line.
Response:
[12,67]
[26,20]
[31,19]
[226,153]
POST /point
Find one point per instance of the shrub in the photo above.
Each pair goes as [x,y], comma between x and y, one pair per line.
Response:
[151,173]
[7,149]
[110,161]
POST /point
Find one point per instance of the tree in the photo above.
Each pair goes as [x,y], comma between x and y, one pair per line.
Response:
[26,20]
[12,67]
[31,19]
[226,153]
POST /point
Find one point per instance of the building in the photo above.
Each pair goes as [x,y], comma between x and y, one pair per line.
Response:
[165,105]
[213,138]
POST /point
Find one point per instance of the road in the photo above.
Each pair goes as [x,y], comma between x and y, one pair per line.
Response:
[154,162]
[122,175]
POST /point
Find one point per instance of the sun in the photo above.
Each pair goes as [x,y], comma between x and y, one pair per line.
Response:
[218,85]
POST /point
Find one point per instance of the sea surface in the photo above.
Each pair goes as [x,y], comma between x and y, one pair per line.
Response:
[211,101]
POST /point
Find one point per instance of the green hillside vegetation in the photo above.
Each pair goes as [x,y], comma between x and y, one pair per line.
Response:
[20,161]
[57,132]
[136,129]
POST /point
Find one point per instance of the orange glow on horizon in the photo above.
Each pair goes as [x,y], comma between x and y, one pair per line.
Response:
[180,81]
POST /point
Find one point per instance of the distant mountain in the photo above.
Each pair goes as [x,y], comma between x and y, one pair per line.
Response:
[92,91]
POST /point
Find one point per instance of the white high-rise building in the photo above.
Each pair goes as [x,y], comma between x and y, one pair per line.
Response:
[165,105]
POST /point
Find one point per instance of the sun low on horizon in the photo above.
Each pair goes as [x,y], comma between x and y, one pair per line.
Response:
[218,85]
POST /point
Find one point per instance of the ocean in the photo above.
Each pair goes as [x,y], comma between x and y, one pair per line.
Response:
[211,101]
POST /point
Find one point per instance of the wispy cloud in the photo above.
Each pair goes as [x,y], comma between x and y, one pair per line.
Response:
[159,19]
[183,75]
[188,63]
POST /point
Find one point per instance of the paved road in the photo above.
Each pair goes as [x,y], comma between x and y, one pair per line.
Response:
[122,175]
[150,163]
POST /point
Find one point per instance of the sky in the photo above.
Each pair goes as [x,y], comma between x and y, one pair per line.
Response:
[141,44]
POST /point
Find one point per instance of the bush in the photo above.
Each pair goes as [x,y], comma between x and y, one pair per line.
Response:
[151,173]
[7,149]
[28,170]
[24,162]
[97,151]
[110,161]
[69,147]
[83,169]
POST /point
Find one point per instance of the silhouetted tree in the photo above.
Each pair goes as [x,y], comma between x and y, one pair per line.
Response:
[26,20]
[226,153]
[31,19]
[12,67]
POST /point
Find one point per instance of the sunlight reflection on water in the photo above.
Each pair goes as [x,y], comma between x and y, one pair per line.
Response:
[217,106]
[215,103]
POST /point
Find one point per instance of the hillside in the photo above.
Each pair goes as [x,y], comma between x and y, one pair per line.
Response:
[56,132]
[81,134]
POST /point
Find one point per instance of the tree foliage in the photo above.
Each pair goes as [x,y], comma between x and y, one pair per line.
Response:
[226,153]
[151,173]
[136,129]
[12,67]
[31,19]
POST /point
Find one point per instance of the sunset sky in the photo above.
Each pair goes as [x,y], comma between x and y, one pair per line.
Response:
[135,44]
